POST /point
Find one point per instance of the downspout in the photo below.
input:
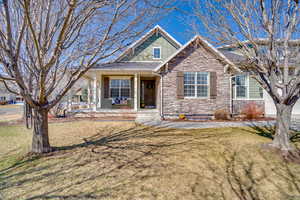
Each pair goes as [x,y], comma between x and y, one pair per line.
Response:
[231,90]
[231,98]
[161,97]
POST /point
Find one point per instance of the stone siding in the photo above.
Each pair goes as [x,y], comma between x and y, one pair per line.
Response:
[195,59]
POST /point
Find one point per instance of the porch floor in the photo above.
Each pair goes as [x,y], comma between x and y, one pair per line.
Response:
[90,110]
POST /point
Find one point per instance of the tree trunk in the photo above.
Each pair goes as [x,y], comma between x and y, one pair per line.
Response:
[40,140]
[282,133]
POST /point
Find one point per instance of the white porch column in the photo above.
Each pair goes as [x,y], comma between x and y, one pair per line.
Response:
[89,94]
[136,92]
[99,92]
[69,102]
[95,94]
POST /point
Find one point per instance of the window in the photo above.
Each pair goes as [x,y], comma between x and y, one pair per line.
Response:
[246,87]
[196,84]
[156,52]
[119,88]
[241,86]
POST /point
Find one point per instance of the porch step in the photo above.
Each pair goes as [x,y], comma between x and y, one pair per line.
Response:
[148,117]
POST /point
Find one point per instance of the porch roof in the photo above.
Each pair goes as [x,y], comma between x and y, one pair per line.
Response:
[128,66]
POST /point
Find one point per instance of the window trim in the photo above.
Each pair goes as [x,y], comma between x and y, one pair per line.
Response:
[247,98]
[195,84]
[110,97]
[153,55]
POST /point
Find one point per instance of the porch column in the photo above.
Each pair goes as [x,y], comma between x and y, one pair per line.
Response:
[95,94]
[136,92]
[99,91]
[69,102]
[89,94]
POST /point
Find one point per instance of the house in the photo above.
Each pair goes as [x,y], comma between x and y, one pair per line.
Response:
[7,97]
[160,77]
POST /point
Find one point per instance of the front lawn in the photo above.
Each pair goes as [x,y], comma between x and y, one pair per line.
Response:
[120,160]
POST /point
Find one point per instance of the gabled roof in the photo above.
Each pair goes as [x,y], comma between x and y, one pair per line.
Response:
[154,30]
[215,51]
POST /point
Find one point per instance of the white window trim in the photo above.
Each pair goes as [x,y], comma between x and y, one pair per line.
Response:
[247,93]
[159,53]
[196,91]
[129,98]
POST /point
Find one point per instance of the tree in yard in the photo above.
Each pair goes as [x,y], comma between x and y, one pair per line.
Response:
[47,45]
[266,35]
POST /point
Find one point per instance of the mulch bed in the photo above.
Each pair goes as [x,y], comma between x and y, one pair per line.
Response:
[231,120]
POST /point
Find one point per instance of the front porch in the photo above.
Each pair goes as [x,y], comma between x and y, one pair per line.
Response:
[116,92]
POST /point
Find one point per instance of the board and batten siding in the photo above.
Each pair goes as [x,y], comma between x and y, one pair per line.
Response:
[144,52]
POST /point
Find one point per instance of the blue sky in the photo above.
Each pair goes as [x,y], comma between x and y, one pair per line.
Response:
[176,25]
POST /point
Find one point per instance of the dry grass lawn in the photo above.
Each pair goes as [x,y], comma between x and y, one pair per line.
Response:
[120,160]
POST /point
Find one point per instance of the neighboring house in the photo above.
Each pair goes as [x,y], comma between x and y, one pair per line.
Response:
[8,97]
[158,75]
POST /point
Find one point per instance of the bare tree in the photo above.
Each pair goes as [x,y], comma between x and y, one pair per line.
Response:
[266,34]
[47,45]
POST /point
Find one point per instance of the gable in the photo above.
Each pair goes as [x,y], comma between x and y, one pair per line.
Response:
[142,50]
[195,58]
[194,44]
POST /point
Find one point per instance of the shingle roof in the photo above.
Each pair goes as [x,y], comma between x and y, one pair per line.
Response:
[128,66]
[233,57]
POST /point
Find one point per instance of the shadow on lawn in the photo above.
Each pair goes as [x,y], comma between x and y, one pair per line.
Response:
[122,162]
[268,131]
[107,153]
[246,180]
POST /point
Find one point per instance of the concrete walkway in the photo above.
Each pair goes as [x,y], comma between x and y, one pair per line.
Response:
[199,125]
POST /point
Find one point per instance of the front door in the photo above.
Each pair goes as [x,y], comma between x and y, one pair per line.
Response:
[148,94]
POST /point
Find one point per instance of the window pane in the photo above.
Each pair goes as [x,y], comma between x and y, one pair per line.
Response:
[255,91]
[202,90]
[114,92]
[202,78]
[156,52]
[189,90]
[115,83]
[240,80]
[241,91]
[189,78]
[125,92]
[125,83]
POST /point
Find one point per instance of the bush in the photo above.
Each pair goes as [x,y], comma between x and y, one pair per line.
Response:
[3,102]
[182,116]
[252,111]
[222,114]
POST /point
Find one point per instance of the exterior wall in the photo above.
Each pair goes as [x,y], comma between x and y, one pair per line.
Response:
[195,60]
[239,105]
[144,52]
